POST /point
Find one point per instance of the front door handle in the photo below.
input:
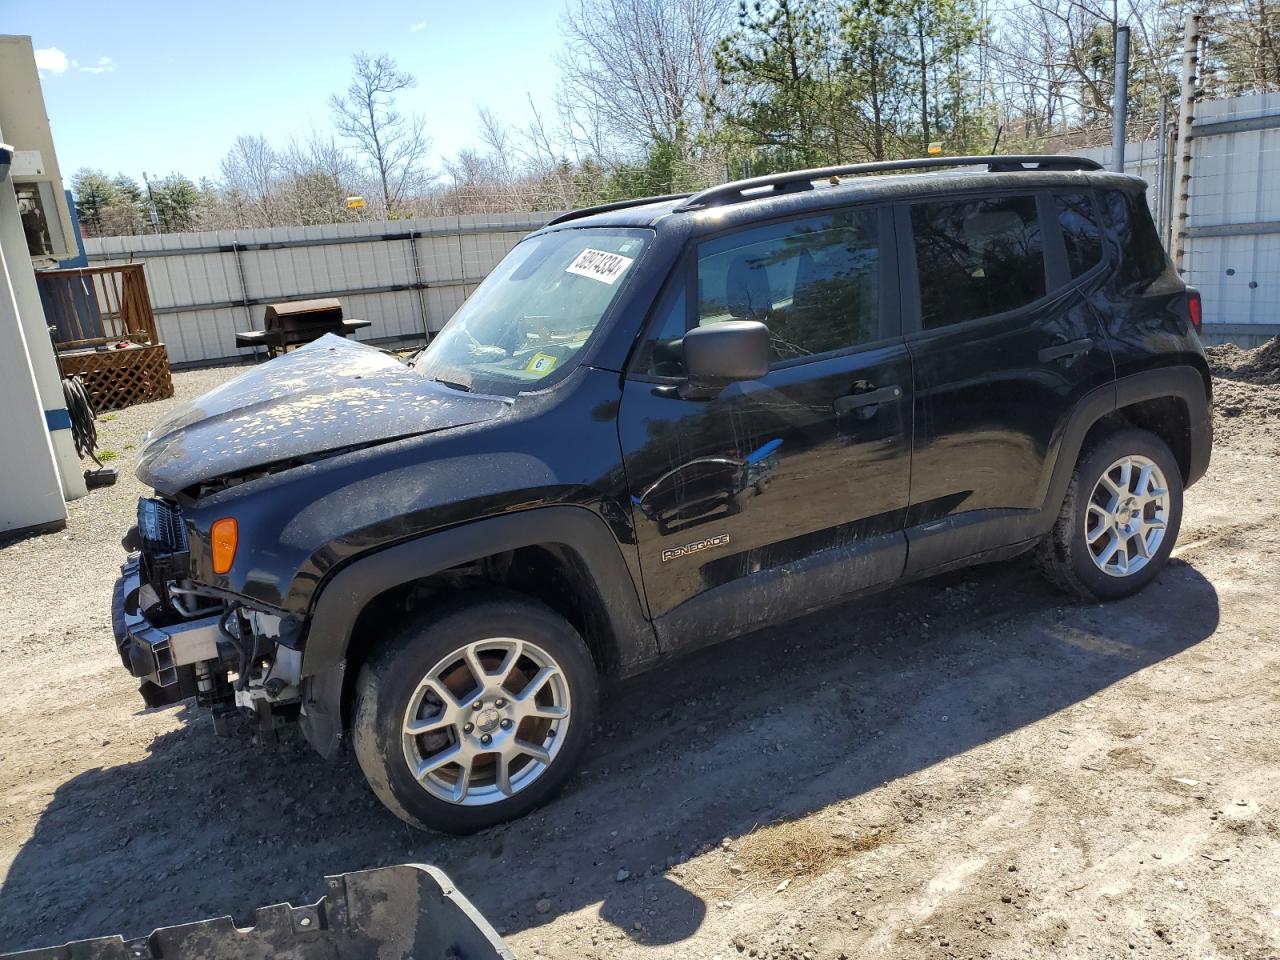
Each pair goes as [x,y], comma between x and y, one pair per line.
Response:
[1063,350]
[867,398]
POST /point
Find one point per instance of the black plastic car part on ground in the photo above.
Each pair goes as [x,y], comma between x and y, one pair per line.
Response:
[663,424]
[401,912]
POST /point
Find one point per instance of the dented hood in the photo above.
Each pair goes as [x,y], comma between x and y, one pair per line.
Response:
[330,395]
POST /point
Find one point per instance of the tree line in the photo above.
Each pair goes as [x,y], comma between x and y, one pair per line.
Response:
[660,96]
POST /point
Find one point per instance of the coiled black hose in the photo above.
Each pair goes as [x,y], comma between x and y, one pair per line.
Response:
[84,432]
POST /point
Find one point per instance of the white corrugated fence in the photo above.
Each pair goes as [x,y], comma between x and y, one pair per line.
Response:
[1231,236]
[406,276]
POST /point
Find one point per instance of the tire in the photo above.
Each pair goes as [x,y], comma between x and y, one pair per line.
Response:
[407,678]
[1074,553]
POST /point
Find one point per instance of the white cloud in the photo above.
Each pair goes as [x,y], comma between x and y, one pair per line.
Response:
[104,65]
[52,60]
[420,25]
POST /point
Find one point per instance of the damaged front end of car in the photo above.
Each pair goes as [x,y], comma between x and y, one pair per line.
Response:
[183,639]
[214,597]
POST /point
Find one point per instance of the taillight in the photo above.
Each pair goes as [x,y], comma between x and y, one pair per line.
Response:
[1194,307]
[223,536]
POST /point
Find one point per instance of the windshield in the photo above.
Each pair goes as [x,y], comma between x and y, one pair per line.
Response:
[534,312]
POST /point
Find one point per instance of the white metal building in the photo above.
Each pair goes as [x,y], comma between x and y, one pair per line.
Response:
[40,468]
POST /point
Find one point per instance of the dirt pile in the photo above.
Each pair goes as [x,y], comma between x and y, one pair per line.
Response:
[1246,395]
[1260,365]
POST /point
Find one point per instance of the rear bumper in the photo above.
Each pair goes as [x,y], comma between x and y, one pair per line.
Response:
[1201,437]
[159,656]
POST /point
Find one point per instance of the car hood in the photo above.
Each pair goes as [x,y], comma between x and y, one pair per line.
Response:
[329,396]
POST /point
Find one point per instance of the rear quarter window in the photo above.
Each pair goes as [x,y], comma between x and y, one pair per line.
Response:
[1142,255]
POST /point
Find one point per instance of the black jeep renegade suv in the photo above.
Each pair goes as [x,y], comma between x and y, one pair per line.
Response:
[656,425]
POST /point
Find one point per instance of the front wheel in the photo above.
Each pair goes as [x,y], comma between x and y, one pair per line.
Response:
[1119,519]
[475,716]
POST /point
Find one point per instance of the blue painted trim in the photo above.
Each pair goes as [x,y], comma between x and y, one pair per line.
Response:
[764,451]
[58,419]
[79,260]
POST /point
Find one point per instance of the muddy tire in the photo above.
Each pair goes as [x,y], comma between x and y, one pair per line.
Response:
[1119,519]
[475,715]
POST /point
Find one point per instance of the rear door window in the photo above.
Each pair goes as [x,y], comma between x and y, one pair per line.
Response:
[1081,234]
[977,258]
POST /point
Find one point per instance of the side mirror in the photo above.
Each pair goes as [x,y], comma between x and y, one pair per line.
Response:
[722,353]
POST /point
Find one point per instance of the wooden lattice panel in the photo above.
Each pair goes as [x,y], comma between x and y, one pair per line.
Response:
[120,378]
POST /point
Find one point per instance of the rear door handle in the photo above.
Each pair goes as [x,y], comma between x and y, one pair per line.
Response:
[868,398]
[1064,350]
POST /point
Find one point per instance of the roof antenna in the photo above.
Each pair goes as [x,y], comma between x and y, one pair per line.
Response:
[999,130]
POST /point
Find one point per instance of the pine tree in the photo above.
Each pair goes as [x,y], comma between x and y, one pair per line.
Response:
[93,192]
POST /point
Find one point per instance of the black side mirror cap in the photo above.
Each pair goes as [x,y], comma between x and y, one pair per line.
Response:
[723,353]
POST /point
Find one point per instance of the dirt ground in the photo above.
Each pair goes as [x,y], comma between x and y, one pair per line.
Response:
[973,766]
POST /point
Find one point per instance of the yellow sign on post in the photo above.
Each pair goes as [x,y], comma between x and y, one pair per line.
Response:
[355,203]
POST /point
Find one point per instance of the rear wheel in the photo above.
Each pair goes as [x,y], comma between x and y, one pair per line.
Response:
[474,716]
[1119,519]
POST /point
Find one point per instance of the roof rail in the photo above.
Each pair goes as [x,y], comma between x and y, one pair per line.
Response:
[802,179]
[616,205]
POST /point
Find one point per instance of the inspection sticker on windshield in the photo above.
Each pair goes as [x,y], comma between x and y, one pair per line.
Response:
[599,265]
[541,363]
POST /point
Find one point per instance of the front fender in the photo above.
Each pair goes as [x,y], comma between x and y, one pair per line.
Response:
[348,591]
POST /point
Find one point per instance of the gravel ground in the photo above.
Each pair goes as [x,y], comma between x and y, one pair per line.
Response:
[52,568]
[973,766]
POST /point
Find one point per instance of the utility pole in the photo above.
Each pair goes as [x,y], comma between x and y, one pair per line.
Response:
[151,204]
[1182,155]
[1120,100]
[1162,170]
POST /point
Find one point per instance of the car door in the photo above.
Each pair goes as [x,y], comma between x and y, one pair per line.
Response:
[1003,344]
[781,494]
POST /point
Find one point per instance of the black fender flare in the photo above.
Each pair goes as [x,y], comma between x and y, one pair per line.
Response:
[1194,388]
[958,540]
[347,592]
[1183,382]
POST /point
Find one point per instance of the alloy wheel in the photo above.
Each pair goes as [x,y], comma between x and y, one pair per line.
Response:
[1127,514]
[486,721]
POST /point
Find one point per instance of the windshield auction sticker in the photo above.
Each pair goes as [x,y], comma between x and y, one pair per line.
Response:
[599,265]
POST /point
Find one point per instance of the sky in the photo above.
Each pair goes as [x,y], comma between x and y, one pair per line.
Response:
[165,87]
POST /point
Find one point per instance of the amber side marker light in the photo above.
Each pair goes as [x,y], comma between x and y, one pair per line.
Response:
[224,535]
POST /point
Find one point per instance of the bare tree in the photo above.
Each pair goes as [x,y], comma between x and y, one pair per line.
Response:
[316,177]
[643,69]
[518,168]
[249,171]
[1055,66]
[395,145]
[1243,52]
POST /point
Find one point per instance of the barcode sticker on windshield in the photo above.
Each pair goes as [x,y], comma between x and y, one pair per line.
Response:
[599,265]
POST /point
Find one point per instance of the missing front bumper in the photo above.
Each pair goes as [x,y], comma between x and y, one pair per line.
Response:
[160,656]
